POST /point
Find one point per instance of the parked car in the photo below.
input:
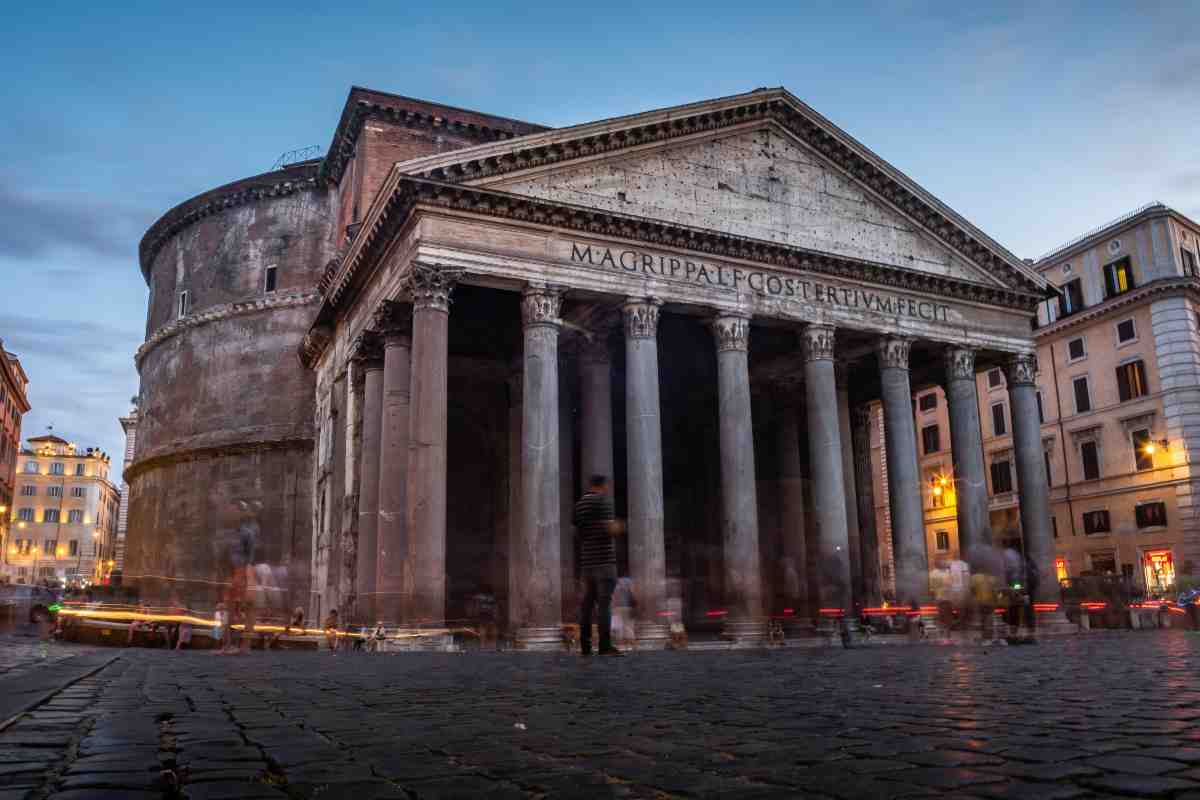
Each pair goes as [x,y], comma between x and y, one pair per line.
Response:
[22,602]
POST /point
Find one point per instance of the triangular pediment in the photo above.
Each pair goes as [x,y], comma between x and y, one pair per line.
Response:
[760,184]
[763,166]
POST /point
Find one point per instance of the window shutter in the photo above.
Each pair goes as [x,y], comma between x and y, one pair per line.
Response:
[1142,385]
[1110,284]
[1123,383]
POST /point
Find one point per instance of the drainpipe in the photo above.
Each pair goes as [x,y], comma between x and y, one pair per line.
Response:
[1062,439]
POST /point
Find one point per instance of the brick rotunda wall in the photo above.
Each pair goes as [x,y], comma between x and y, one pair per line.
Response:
[225,440]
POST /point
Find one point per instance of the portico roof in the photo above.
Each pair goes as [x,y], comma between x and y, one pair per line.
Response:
[486,163]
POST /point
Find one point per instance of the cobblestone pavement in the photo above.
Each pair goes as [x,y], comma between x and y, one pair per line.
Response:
[24,650]
[1100,715]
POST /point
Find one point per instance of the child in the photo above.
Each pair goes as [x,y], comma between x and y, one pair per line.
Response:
[221,628]
[331,630]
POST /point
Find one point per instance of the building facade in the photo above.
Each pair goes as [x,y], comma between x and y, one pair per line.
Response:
[64,516]
[1118,385]
[705,302]
[129,425]
[14,404]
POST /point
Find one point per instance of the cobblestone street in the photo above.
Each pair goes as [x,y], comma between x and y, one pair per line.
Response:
[1109,714]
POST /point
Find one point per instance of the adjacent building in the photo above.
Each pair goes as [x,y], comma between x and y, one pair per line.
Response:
[64,515]
[1118,403]
[129,424]
[14,404]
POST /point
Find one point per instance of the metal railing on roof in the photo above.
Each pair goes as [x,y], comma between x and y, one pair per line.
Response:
[1123,218]
[296,156]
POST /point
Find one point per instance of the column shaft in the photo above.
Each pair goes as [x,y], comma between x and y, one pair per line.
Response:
[647,549]
[791,478]
[829,486]
[852,526]
[368,499]
[966,443]
[739,503]
[872,594]
[537,545]
[392,528]
[904,482]
[1034,494]
[430,288]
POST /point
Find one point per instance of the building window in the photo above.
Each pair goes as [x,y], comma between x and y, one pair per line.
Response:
[25,515]
[1083,398]
[269,279]
[79,470]
[46,572]
[56,468]
[1189,262]
[54,491]
[1090,455]
[50,515]
[1126,331]
[28,490]
[930,439]
[1060,568]
[1001,477]
[1054,528]
[1096,522]
[995,378]
[1071,299]
[78,491]
[183,304]
[31,468]
[1041,408]
[943,540]
[1151,515]
[999,423]
[1143,452]
[927,402]
[73,547]
[1049,477]
[937,493]
[1131,380]
[1076,349]
[1118,277]
[75,516]
[49,548]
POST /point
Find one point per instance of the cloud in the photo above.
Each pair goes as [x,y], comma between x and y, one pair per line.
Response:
[37,224]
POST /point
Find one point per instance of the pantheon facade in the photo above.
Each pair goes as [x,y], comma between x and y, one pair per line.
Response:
[399,365]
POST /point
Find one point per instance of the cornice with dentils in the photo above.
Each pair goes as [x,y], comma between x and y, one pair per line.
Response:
[479,165]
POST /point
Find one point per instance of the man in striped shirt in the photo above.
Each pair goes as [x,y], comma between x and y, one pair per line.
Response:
[595,526]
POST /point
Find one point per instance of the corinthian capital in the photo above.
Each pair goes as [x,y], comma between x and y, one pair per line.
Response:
[431,286]
[816,342]
[893,352]
[641,317]
[367,350]
[960,363]
[393,322]
[1021,369]
[541,305]
[732,332]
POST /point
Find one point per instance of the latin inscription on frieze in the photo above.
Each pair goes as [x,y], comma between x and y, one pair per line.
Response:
[722,277]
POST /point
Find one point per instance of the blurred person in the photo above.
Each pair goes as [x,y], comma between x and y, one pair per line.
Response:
[595,526]
[378,634]
[294,623]
[331,630]
[221,628]
[624,603]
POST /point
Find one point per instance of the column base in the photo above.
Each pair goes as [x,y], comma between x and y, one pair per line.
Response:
[543,638]
[1055,623]
[652,636]
[745,632]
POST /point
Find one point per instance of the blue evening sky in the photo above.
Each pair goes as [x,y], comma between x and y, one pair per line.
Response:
[1035,121]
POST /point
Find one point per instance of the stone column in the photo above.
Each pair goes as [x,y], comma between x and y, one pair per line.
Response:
[510,599]
[852,526]
[739,502]
[595,416]
[536,548]
[829,483]
[369,356]
[872,593]
[647,549]
[904,481]
[791,478]
[430,288]
[1031,474]
[394,322]
[966,444]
